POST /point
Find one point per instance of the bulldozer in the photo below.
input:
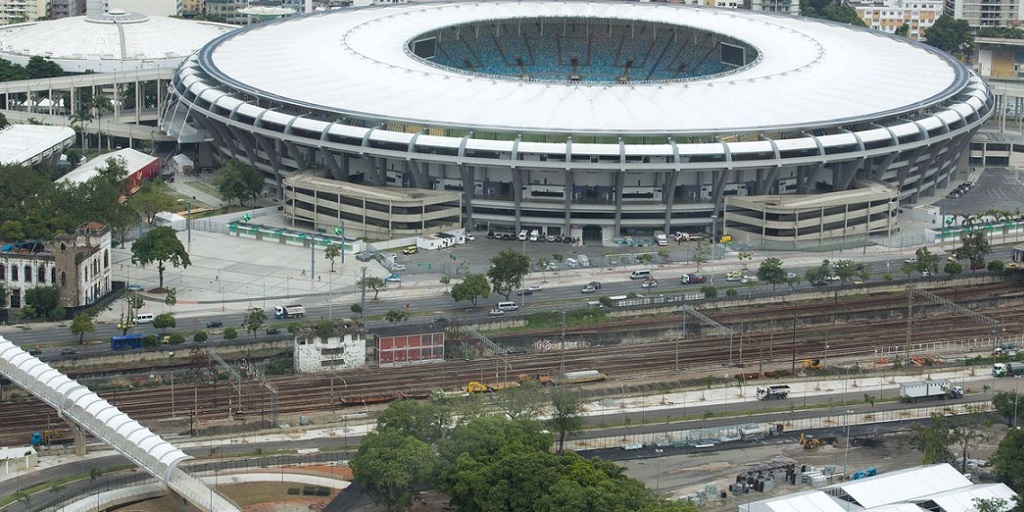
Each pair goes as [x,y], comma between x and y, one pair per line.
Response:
[810,442]
[813,364]
[542,378]
[480,387]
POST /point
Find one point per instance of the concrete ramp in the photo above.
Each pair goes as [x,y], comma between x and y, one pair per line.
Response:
[75,403]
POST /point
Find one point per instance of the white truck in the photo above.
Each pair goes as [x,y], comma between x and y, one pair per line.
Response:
[929,389]
[778,392]
[289,311]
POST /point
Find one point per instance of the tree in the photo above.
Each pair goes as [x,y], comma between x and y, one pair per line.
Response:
[230,333]
[161,245]
[926,260]
[967,437]
[99,103]
[78,121]
[908,268]
[44,300]
[81,325]
[507,271]
[974,248]
[701,253]
[951,35]
[771,272]
[1006,403]
[1008,460]
[426,421]
[171,298]
[557,258]
[525,401]
[903,30]
[473,288]
[446,280]
[200,337]
[828,10]
[332,252]
[374,283]
[236,180]
[163,321]
[42,67]
[995,266]
[176,339]
[933,440]
[356,308]
[953,268]
[149,201]
[665,254]
[255,320]
[4,292]
[390,467]
[396,315]
[294,328]
[567,417]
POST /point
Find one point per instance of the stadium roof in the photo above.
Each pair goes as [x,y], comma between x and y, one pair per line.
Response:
[21,144]
[114,41]
[810,73]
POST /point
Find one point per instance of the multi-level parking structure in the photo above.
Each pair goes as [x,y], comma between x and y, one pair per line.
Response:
[590,119]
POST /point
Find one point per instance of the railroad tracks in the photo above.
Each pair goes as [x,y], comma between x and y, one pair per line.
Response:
[861,328]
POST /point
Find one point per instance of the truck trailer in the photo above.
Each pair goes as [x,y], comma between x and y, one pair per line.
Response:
[289,311]
[929,389]
[778,392]
[1007,369]
[579,377]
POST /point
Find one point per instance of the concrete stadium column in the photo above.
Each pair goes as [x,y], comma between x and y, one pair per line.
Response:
[468,175]
[668,193]
[140,95]
[620,178]
[517,194]
[567,223]
[160,92]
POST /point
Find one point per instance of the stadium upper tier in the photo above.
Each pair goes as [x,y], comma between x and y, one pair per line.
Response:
[574,50]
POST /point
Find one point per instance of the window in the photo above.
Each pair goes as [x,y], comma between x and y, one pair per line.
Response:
[53,275]
[3,273]
[14,273]
[63,279]
[41,275]
[106,258]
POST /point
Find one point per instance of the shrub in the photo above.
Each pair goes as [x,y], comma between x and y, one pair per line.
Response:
[709,291]
[176,339]
[731,292]
[230,333]
[996,266]
[200,337]
[150,340]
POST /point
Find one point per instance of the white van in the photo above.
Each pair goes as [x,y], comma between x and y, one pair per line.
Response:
[144,318]
[534,235]
[508,306]
[522,235]
[640,274]
[572,263]
[584,260]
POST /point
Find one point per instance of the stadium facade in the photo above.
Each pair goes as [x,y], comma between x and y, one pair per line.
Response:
[591,119]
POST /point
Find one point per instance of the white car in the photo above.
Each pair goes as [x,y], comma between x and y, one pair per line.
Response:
[534,288]
[588,289]
[650,283]
[496,312]
[790,275]
[397,267]
[470,237]
[832,277]
[910,260]
[748,279]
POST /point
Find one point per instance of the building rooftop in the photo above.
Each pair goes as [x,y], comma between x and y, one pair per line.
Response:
[133,160]
[21,143]
[808,72]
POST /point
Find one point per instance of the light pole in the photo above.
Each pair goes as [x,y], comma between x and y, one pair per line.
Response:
[846,456]
[188,222]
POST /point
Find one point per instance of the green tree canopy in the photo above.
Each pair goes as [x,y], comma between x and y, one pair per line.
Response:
[396,315]
[236,180]
[771,272]
[160,245]
[254,320]
[974,248]
[81,325]
[163,321]
[567,417]
[45,300]
[829,10]
[374,283]
[473,288]
[507,271]
[1009,460]
[391,466]
[951,35]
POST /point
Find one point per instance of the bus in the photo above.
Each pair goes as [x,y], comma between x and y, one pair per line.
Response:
[126,342]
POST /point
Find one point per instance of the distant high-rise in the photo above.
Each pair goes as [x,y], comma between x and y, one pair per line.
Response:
[985,13]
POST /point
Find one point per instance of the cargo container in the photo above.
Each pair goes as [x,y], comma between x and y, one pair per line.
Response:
[929,389]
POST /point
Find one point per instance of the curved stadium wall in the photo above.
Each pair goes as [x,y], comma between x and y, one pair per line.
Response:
[755,132]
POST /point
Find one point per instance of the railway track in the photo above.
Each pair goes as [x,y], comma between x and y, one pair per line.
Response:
[771,336]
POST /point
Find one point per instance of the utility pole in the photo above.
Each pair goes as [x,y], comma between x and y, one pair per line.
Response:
[362,299]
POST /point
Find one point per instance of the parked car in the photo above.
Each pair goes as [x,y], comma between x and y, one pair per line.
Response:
[364,256]
[496,312]
[213,324]
[588,289]
[410,250]
[136,288]
[273,331]
[551,238]
[397,267]
[470,237]
[68,351]
[35,352]
[572,263]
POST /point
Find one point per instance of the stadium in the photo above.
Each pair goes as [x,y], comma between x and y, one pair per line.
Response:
[589,120]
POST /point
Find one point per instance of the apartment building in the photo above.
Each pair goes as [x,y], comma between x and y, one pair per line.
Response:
[986,13]
[890,15]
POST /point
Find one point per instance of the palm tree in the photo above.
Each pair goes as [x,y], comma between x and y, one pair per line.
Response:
[99,103]
[79,120]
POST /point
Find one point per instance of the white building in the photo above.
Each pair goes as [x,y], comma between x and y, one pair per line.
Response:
[19,11]
[890,15]
[77,264]
[345,350]
[28,145]
[149,7]
[938,487]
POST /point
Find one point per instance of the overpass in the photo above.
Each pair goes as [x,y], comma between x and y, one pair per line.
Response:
[89,412]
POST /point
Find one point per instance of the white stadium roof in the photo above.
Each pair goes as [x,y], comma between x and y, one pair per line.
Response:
[115,41]
[810,73]
[21,144]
